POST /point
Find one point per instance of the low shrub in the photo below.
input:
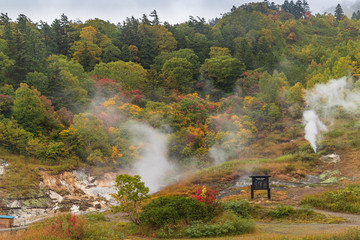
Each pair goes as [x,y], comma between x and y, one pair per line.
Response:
[170,231]
[205,195]
[68,226]
[261,171]
[343,200]
[71,227]
[229,226]
[310,158]
[101,231]
[282,211]
[96,217]
[335,133]
[290,168]
[242,208]
[286,158]
[173,209]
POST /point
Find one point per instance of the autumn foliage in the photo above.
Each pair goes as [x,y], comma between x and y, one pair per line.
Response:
[206,195]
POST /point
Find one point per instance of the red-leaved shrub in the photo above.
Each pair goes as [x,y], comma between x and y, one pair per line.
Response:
[206,195]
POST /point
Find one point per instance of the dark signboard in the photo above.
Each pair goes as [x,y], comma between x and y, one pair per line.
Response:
[260,183]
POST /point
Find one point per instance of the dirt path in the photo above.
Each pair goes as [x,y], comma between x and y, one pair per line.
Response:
[352,220]
[301,229]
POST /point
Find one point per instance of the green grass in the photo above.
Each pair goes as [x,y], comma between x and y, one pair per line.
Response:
[86,227]
[279,213]
[21,180]
[351,234]
[344,200]
[289,214]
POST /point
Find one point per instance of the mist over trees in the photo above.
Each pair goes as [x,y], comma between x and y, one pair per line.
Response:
[68,88]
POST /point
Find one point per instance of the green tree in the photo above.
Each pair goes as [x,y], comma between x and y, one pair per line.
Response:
[200,44]
[147,52]
[155,39]
[60,36]
[111,54]
[104,27]
[26,48]
[186,53]
[131,193]
[270,86]
[129,33]
[37,80]
[47,37]
[53,152]
[155,17]
[6,64]
[130,75]
[93,135]
[244,52]
[295,94]
[125,54]
[224,71]
[355,15]
[178,74]
[218,52]
[274,112]
[339,12]
[88,49]
[87,54]
[305,6]
[17,53]
[13,136]
[67,80]
[28,109]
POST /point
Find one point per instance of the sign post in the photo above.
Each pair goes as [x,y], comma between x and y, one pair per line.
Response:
[260,183]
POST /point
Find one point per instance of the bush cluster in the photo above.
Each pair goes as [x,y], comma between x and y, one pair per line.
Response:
[173,209]
[234,226]
[241,207]
[343,200]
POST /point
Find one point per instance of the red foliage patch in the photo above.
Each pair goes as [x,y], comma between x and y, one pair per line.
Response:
[205,195]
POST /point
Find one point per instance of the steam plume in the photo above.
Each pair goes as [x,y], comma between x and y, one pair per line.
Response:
[313,127]
[323,100]
[217,153]
[153,165]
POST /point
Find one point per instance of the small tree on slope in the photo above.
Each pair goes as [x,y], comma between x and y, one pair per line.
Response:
[131,193]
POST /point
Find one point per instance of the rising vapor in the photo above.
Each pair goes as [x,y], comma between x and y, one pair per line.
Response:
[323,101]
[313,127]
[153,166]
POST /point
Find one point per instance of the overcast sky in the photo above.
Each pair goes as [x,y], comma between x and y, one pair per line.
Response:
[173,11]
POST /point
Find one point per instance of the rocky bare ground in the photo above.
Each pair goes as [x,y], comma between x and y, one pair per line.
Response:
[76,191]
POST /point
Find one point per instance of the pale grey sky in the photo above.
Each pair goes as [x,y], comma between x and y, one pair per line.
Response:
[173,11]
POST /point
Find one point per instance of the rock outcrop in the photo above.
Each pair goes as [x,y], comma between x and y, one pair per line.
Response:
[68,191]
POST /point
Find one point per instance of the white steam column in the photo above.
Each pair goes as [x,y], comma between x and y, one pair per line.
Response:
[313,127]
[153,166]
[324,100]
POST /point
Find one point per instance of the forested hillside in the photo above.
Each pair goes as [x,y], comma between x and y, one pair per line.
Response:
[69,89]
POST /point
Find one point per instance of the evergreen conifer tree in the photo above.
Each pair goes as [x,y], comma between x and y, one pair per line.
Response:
[339,12]
[155,17]
[286,6]
[305,6]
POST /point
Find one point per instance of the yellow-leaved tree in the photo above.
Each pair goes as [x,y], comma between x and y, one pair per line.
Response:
[131,193]
[88,49]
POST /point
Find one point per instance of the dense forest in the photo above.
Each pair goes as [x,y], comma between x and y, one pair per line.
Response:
[69,90]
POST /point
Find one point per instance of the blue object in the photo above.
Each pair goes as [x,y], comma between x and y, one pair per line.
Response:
[8,217]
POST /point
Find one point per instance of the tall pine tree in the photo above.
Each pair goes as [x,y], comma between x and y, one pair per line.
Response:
[339,12]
